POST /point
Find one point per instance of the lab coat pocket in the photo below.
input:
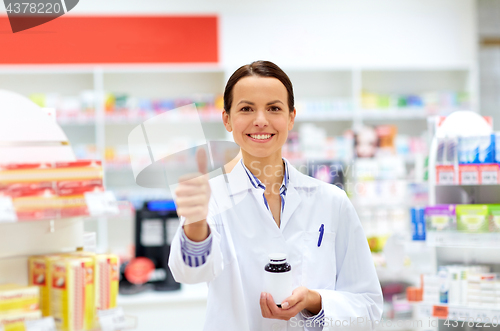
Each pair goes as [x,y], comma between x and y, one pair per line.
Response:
[319,264]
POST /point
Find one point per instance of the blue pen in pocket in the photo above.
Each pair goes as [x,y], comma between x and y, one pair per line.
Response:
[321,230]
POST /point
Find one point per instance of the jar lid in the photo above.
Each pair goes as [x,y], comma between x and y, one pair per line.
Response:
[277,258]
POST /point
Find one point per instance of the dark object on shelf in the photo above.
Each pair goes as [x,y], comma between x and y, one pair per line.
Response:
[155,227]
[331,172]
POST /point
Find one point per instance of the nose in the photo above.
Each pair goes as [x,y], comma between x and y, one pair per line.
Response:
[260,119]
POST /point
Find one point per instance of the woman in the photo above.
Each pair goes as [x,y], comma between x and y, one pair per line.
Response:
[274,209]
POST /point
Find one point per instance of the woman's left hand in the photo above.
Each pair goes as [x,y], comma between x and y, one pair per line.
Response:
[301,298]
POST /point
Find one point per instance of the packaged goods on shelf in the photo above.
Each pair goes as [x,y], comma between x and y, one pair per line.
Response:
[74,285]
[440,218]
[494,217]
[476,149]
[81,107]
[431,102]
[123,106]
[472,218]
[313,143]
[48,190]
[85,151]
[72,293]
[497,147]
[380,223]
[418,223]
[14,321]
[476,218]
[321,107]
[474,162]
[462,285]
[17,297]
[447,151]
[39,275]
[106,280]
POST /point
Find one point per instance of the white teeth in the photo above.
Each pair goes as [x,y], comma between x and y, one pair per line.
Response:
[260,136]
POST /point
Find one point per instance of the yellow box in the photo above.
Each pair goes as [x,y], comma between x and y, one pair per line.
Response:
[107,271]
[39,275]
[106,280]
[72,293]
[14,321]
[17,297]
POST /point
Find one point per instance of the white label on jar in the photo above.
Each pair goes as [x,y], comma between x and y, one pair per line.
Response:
[279,285]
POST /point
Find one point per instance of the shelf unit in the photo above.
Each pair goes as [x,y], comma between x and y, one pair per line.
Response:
[467,248]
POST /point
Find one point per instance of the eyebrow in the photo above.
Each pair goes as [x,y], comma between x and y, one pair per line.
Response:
[267,104]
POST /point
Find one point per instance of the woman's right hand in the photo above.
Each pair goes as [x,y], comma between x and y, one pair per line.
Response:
[193,195]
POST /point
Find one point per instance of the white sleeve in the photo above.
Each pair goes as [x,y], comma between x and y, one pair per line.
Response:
[357,302]
[184,273]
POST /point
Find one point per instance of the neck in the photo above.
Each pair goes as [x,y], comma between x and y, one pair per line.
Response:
[269,170]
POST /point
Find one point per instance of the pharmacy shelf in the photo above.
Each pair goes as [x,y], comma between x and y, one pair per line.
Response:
[480,314]
[105,208]
[187,294]
[347,115]
[463,240]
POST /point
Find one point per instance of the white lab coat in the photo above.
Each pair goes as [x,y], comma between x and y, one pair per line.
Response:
[244,233]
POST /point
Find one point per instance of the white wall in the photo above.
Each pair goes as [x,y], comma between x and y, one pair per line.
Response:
[324,32]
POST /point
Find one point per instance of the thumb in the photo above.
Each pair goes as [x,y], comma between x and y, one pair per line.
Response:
[201,159]
[291,301]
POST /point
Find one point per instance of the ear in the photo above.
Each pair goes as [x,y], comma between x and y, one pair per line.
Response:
[291,119]
[226,121]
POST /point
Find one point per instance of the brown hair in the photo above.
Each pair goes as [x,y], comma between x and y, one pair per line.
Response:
[260,69]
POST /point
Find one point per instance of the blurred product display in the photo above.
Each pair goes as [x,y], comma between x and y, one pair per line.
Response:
[431,102]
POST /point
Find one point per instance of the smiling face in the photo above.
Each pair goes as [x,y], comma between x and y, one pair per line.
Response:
[259,116]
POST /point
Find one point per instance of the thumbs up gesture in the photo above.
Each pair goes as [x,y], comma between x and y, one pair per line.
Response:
[193,195]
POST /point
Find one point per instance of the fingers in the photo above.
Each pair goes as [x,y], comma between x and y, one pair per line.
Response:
[266,313]
[201,159]
[270,310]
[275,311]
[190,200]
[193,179]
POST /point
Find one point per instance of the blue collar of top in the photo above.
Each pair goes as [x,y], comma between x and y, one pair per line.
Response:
[256,183]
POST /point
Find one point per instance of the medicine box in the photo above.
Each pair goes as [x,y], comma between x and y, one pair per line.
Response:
[472,218]
[72,293]
[440,217]
[14,321]
[494,218]
[39,275]
[17,297]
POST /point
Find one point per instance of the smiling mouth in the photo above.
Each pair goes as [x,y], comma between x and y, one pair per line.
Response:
[260,136]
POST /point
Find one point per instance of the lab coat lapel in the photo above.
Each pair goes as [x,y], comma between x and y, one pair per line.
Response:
[298,182]
[292,201]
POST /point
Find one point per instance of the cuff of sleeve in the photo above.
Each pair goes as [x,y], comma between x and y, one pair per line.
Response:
[195,253]
[317,319]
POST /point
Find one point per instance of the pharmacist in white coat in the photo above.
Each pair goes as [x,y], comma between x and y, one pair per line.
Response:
[228,229]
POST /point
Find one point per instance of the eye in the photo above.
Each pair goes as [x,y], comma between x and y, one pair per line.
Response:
[245,109]
[275,108]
